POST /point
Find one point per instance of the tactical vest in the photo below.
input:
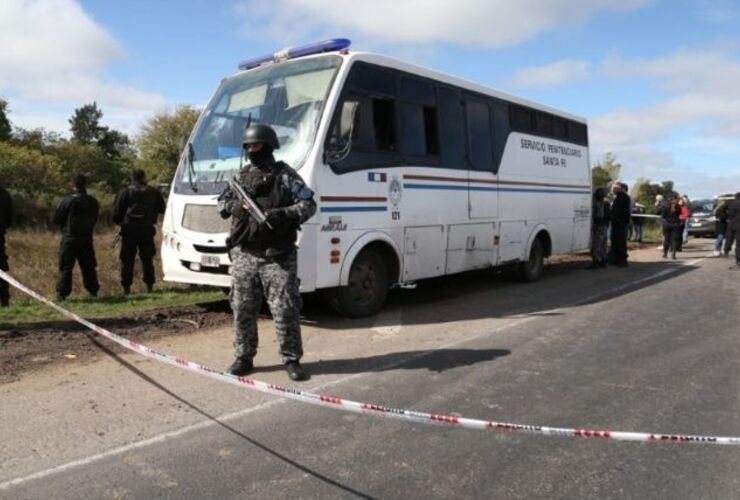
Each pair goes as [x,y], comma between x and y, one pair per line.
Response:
[81,217]
[269,190]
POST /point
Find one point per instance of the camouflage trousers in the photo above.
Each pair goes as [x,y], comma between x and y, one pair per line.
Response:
[276,279]
[598,243]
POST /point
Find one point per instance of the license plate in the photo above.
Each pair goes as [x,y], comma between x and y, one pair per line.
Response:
[210,260]
[695,224]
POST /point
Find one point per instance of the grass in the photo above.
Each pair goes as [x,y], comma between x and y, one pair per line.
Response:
[33,262]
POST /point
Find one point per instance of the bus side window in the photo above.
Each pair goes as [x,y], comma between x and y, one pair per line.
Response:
[418,119]
[384,118]
[501,131]
[452,128]
[348,125]
[479,134]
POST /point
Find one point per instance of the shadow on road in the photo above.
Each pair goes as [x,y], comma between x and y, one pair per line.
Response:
[490,294]
[223,425]
[437,360]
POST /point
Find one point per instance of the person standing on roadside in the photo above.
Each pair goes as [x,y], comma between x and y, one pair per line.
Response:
[659,205]
[720,227]
[6,219]
[685,214]
[77,215]
[136,210]
[671,218]
[599,223]
[263,255]
[620,219]
[637,221]
[733,228]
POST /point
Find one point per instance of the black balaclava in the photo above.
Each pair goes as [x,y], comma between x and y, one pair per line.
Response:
[262,158]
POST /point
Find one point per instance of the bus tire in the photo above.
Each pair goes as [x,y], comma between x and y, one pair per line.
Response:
[531,270]
[367,289]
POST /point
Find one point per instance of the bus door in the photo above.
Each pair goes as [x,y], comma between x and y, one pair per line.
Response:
[476,240]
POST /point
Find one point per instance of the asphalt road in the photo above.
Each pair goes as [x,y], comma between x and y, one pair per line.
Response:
[652,348]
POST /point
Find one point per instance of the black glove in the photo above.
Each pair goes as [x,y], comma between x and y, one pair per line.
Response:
[276,217]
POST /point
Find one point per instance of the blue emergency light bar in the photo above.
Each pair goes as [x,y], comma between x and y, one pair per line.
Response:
[332,45]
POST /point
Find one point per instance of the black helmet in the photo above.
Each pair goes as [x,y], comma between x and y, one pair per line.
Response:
[261,133]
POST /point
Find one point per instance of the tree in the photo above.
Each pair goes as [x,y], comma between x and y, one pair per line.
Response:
[666,189]
[645,192]
[161,141]
[115,144]
[85,124]
[39,139]
[5,128]
[606,171]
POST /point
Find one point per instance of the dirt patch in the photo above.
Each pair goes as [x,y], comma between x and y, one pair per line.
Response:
[32,347]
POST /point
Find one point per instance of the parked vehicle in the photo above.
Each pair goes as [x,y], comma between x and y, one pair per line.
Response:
[702,221]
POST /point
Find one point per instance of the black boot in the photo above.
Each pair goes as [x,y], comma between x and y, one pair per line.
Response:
[593,265]
[295,371]
[241,367]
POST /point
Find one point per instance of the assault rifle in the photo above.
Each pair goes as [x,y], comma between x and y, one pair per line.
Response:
[253,208]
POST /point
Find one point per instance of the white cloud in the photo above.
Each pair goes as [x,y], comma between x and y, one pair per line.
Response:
[700,91]
[54,52]
[490,23]
[552,75]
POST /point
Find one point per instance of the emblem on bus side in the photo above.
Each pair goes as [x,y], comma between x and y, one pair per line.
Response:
[394,191]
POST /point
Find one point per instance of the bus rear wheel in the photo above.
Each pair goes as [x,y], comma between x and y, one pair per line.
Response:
[366,291]
[531,270]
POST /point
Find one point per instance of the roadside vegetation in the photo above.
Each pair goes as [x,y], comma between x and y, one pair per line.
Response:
[33,261]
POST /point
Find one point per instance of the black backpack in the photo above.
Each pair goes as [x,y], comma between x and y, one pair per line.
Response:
[82,217]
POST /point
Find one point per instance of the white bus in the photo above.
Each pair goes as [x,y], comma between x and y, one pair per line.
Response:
[417,174]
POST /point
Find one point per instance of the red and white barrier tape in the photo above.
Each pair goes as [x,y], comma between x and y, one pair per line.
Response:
[368,408]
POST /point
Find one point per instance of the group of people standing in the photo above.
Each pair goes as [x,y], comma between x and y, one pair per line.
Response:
[610,223]
[674,213]
[135,210]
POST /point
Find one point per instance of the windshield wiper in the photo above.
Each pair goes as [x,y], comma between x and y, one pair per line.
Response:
[190,157]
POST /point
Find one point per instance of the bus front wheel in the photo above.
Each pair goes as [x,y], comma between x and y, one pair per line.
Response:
[366,290]
[531,269]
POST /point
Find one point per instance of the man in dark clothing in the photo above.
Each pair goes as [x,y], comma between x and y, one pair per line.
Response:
[620,219]
[77,214]
[263,255]
[638,210]
[6,219]
[733,228]
[599,223]
[136,210]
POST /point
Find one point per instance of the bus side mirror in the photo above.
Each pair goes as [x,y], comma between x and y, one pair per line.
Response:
[339,144]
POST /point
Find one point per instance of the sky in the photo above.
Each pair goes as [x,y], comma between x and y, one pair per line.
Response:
[658,80]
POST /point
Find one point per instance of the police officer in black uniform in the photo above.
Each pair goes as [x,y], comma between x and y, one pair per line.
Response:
[620,219]
[136,210]
[6,219]
[77,214]
[263,257]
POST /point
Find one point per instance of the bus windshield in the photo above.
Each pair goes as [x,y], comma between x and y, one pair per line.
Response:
[288,96]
